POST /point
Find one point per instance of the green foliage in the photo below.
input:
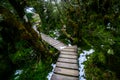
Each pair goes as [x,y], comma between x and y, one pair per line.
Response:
[21,55]
[96,68]
[88,23]
[37,71]
[21,51]
[110,51]
[26,60]
[101,58]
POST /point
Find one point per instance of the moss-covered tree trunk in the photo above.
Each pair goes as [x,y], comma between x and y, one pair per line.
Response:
[25,30]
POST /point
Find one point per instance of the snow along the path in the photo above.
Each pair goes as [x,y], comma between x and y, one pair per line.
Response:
[82,59]
[51,73]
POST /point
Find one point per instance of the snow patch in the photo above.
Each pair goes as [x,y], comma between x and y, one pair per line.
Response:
[69,45]
[17,73]
[62,47]
[29,10]
[82,59]
[35,28]
[51,73]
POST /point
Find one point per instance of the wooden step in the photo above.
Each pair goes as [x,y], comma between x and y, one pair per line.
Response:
[55,43]
[74,61]
[68,72]
[68,56]
[68,50]
[62,77]
[67,65]
[68,53]
[71,47]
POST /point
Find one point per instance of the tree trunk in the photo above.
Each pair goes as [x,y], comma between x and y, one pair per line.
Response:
[30,35]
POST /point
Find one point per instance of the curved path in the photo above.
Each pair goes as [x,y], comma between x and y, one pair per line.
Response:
[67,64]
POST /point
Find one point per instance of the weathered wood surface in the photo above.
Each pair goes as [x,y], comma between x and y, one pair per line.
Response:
[74,61]
[63,77]
[68,56]
[53,42]
[69,50]
[69,53]
[67,64]
[65,71]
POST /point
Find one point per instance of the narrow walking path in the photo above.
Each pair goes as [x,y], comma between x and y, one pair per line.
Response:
[53,42]
[67,63]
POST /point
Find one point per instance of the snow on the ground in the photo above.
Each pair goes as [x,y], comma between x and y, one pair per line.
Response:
[51,73]
[82,59]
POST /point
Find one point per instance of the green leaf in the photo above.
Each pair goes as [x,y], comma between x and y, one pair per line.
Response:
[110,51]
[101,57]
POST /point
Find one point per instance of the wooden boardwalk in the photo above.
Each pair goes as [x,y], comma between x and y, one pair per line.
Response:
[67,64]
[55,43]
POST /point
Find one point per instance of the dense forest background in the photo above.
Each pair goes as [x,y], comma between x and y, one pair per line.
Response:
[86,23]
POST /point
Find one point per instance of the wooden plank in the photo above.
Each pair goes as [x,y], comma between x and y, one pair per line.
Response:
[67,65]
[56,43]
[69,50]
[68,53]
[68,72]
[68,56]
[59,45]
[51,41]
[71,47]
[74,61]
[62,77]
